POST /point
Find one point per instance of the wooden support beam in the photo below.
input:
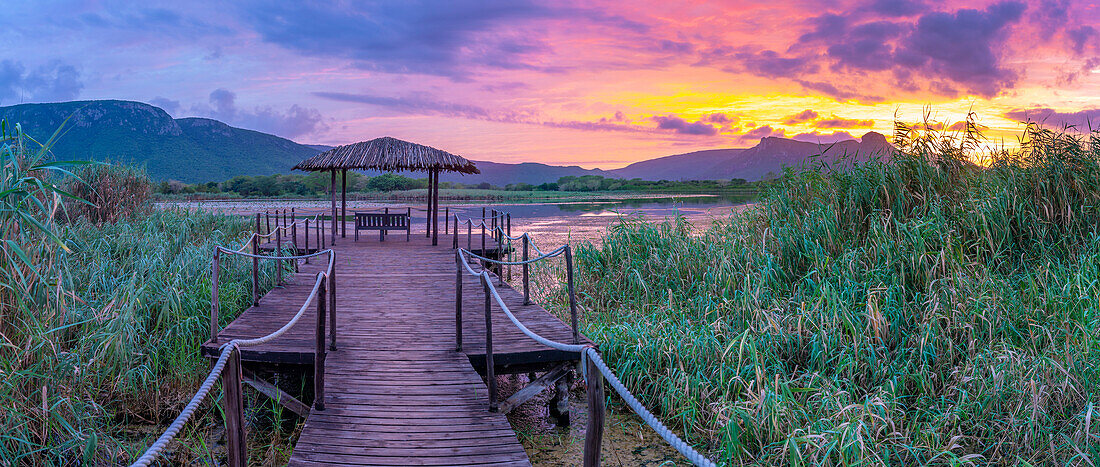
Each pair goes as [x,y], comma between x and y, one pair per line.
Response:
[233,404]
[593,433]
[270,390]
[535,387]
[343,203]
[435,210]
[335,226]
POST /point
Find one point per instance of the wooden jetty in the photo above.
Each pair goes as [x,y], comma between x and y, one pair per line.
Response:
[396,390]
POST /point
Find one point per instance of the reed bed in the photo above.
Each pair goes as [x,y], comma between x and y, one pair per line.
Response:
[919,309]
[101,314]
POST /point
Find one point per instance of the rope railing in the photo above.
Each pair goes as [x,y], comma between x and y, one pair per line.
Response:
[591,361]
[228,365]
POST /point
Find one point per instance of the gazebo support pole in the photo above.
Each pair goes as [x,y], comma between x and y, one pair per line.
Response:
[332,188]
[344,203]
[428,216]
[435,211]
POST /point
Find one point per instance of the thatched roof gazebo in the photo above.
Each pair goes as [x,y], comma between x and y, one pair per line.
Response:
[388,154]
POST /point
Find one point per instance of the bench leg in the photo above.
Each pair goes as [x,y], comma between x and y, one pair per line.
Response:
[381,235]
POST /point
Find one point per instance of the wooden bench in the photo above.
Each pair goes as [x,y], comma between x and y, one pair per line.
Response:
[383,222]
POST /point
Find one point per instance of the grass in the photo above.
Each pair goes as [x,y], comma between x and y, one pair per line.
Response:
[102,315]
[916,310]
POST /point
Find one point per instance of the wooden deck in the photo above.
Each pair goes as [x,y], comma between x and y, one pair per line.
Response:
[396,391]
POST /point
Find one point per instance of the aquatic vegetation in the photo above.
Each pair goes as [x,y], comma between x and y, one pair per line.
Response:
[918,309]
[100,322]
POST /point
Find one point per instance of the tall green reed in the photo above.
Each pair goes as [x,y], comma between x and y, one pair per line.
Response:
[914,309]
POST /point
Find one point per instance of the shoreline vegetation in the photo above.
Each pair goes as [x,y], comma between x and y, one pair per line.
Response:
[915,310]
[315,185]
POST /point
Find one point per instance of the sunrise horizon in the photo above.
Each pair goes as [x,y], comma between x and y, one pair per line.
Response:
[593,85]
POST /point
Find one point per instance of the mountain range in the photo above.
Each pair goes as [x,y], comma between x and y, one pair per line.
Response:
[201,149]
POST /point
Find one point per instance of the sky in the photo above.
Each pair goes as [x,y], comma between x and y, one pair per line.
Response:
[596,84]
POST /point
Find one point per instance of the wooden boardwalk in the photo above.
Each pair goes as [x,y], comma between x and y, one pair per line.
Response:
[396,390]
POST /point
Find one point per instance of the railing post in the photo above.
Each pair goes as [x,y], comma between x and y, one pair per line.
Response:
[332,305]
[593,433]
[233,404]
[458,301]
[294,235]
[469,234]
[267,221]
[572,293]
[278,252]
[455,236]
[446,220]
[490,370]
[214,296]
[256,264]
[307,240]
[526,274]
[319,352]
[483,252]
[500,257]
[511,252]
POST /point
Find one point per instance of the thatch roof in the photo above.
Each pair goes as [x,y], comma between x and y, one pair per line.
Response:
[389,154]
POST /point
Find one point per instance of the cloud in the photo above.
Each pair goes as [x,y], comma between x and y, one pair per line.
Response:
[815,137]
[842,95]
[896,8]
[803,116]
[51,82]
[770,64]
[294,122]
[1082,120]
[169,105]
[760,132]
[838,122]
[681,126]
[721,118]
[963,46]
[416,104]
[1080,37]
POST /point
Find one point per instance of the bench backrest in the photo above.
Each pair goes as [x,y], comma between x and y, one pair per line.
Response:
[366,220]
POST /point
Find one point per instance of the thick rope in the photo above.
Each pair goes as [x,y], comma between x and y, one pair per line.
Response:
[154,450]
[690,453]
[551,254]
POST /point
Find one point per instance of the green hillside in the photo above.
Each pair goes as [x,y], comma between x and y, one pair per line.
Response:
[187,149]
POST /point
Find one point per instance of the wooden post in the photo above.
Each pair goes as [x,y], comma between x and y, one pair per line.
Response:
[214,297]
[490,371]
[458,301]
[446,220]
[319,353]
[435,210]
[284,218]
[593,434]
[278,252]
[335,226]
[294,235]
[511,251]
[483,252]
[267,221]
[233,404]
[469,234]
[307,240]
[343,203]
[500,267]
[428,216]
[526,274]
[332,306]
[256,264]
[572,293]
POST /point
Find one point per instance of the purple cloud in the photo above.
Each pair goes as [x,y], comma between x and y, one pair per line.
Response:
[760,132]
[684,127]
[294,122]
[1084,120]
[54,81]
[803,116]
